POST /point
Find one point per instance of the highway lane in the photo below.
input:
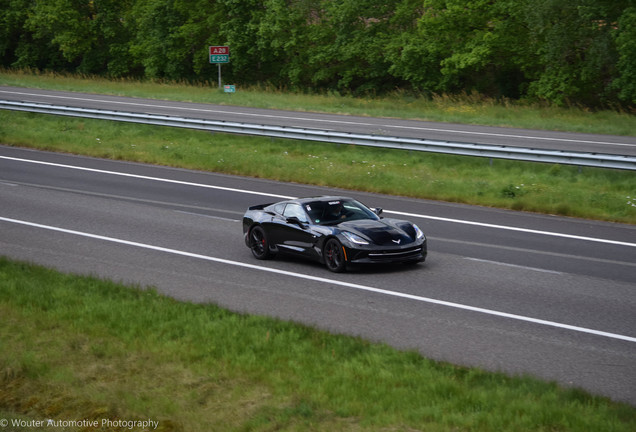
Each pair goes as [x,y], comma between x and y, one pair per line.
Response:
[593,143]
[582,289]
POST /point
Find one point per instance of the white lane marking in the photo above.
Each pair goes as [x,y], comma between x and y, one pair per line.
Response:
[357,123]
[143,177]
[413,215]
[327,281]
[509,228]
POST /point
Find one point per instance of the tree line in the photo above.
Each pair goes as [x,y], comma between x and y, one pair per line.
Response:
[561,51]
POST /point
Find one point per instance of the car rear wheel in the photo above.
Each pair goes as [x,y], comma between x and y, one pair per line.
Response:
[259,244]
[334,256]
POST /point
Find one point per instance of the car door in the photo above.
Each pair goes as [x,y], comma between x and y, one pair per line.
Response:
[275,227]
[294,234]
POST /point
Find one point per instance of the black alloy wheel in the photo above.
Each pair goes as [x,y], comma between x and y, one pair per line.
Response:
[259,244]
[334,256]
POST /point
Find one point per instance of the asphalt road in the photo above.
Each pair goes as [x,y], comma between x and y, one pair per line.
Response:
[521,293]
[621,145]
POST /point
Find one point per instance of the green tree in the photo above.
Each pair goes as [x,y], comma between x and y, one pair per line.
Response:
[13,14]
[90,35]
[20,45]
[625,36]
[288,34]
[199,29]
[172,37]
[415,53]
[461,45]
[239,29]
[156,44]
[561,51]
[360,33]
[340,45]
[576,53]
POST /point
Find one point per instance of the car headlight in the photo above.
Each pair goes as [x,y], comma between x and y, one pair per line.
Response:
[418,232]
[354,238]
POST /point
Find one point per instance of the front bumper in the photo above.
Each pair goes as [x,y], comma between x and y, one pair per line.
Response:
[413,253]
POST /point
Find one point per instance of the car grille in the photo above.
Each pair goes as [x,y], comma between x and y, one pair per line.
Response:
[395,254]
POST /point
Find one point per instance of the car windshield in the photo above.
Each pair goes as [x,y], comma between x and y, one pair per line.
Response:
[335,211]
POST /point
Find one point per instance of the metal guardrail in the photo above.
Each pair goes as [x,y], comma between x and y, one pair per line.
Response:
[598,160]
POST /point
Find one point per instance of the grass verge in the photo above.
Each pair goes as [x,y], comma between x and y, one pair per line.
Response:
[554,189]
[79,348]
[468,109]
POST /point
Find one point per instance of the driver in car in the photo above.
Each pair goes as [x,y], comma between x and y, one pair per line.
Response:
[335,212]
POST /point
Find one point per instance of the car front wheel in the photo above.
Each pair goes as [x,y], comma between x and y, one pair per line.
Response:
[334,256]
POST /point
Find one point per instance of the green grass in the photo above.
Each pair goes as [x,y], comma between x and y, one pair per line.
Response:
[555,189]
[74,348]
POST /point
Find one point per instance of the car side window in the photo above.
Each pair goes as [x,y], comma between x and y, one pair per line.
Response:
[278,208]
[295,210]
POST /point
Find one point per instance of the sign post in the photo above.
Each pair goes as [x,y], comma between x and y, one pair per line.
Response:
[219,55]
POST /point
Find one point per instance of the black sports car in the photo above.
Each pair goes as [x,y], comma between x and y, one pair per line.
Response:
[335,231]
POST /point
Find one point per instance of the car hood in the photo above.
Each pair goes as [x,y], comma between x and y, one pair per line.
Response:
[382,232]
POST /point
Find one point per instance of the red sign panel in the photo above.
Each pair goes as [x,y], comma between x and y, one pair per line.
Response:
[219,50]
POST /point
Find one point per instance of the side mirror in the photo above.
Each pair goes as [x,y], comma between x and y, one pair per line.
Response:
[295,220]
[377,210]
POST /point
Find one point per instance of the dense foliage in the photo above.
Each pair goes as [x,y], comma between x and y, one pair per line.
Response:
[561,51]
